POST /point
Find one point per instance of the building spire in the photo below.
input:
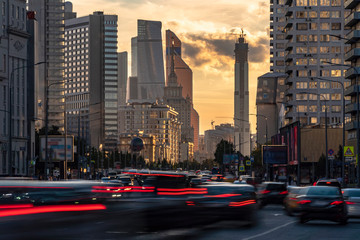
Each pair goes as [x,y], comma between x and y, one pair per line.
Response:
[172,76]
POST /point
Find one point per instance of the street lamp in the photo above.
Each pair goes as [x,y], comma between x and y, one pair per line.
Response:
[266,139]
[326,137]
[10,111]
[343,121]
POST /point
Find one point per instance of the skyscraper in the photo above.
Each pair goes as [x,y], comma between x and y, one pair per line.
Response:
[309,48]
[14,83]
[92,78]
[150,63]
[241,97]
[184,78]
[122,77]
[49,48]
[173,97]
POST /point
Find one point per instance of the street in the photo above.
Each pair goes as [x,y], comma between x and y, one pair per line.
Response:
[273,224]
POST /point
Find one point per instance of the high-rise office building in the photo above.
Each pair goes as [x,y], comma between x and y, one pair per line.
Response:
[92,78]
[174,98]
[241,97]
[184,78]
[149,62]
[309,29]
[277,36]
[122,77]
[69,14]
[49,48]
[353,73]
[14,134]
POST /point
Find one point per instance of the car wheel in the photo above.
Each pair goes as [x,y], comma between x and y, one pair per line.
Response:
[344,221]
[302,220]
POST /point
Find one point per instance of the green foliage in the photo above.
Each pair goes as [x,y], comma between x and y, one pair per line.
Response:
[223,147]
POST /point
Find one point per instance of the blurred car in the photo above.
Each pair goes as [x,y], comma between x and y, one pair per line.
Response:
[328,182]
[125,179]
[290,202]
[195,182]
[217,178]
[322,202]
[225,202]
[352,199]
[271,193]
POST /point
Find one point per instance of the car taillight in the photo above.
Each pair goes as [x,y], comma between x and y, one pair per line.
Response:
[283,192]
[264,191]
[337,202]
[314,184]
[350,203]
[304,202]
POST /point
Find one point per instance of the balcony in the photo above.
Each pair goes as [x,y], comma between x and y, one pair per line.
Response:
[289,81]
[288,13]
[352,54]
[288,2]
[351,107]
[350,4]
[351,125]
[352,72]
[353,36]
[288,24]
[351,91]
[352,19]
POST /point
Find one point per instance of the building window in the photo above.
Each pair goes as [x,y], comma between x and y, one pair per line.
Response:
[302,108]
[301,85]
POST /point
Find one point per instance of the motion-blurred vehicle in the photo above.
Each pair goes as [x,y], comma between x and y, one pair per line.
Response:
[328,182]
[291,205]
[217,178]
[352,199]
[271,193]
[322,202]
[125,179]
[225,201]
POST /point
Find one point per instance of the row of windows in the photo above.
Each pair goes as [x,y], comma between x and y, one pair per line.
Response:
[321,26]
[313,108]
[82,35]
[318,3]
[306,96]
[79,90]
[322,73]
[76,58]
[314,14]
[76,63]
[322,84]
[80,46]
[77,85]
[78,30]
[76,53]
[314,38]
[336,49]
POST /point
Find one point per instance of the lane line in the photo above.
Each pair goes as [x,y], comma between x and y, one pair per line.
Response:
[269,231]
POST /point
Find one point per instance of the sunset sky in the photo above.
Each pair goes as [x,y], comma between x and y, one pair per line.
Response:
[208,30]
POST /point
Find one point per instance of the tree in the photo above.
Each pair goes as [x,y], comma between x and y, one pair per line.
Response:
[223,147]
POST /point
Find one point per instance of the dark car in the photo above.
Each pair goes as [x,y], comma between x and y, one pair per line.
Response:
[271,193]
[328,182]
[322,202]
[290,202]
[224,202]
[352,199]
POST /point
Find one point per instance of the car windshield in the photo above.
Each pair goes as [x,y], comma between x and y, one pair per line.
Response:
[323,191]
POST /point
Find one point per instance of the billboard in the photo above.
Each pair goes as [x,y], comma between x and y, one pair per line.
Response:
[56,146]
[230,159]
[274,154]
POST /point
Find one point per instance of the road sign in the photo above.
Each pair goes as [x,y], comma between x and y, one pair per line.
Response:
[252,159]
[348,151]
[331,152]
[349,159]
[242,169]
[331,157]
[248,163]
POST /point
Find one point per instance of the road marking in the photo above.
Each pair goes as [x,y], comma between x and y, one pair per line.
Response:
[269,231]
[277,214]
[114,232]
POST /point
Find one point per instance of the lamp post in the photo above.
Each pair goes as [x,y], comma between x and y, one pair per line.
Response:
[326,133]
[266,140]
[10,111]
[343,121]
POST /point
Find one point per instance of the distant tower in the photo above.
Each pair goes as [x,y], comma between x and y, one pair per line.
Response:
[241,97]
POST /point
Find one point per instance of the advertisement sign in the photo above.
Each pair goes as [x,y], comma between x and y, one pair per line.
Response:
[56,150]
[274,154]
[230,158]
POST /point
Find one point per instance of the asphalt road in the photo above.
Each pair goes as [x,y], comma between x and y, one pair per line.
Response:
[273,224]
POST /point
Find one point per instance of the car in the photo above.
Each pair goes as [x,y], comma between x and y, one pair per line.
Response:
[328,182]
[290,202]
[352,199]
[125,179]
[322,202]
[271,193]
